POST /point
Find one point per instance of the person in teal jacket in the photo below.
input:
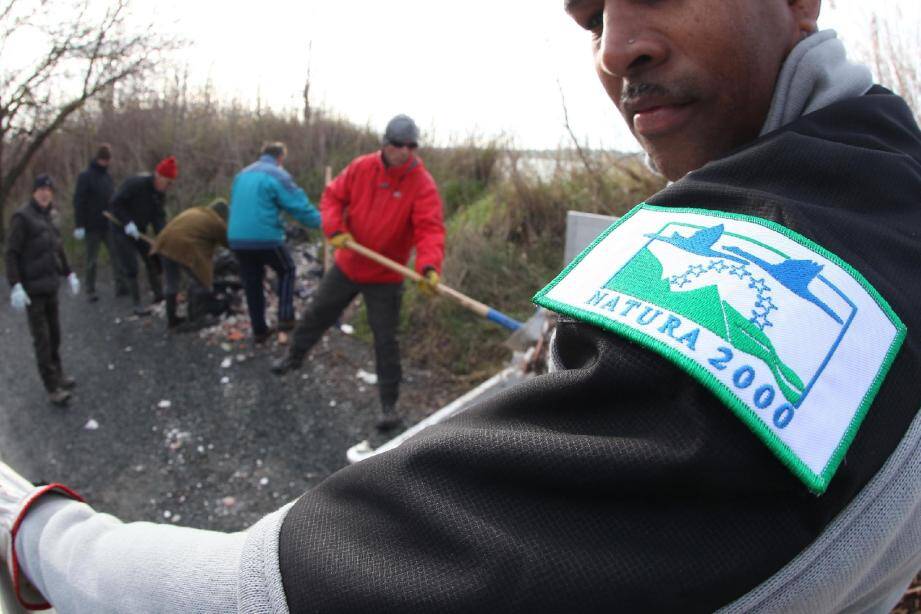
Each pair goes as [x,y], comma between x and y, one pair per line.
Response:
[256,234]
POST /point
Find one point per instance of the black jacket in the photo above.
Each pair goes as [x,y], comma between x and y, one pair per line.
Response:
[138,201]
[34,253]
[620,483]
[91,197]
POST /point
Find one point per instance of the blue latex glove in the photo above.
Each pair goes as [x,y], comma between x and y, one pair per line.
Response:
[132,231]
[19,299]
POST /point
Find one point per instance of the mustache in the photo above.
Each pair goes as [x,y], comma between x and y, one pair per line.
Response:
[633,91]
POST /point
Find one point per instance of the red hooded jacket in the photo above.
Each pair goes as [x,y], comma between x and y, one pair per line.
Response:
[389,210]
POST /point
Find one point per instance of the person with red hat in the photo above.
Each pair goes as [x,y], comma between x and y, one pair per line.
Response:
[139,203]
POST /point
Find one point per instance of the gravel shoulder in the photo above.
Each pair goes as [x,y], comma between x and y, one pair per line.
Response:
[188,430]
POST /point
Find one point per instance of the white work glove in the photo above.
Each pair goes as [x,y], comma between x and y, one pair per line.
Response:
[79,234]
[17,496]
[74,282]
[19,299]
[132,231]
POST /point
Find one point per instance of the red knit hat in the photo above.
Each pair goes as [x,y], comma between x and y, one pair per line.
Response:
[168,168]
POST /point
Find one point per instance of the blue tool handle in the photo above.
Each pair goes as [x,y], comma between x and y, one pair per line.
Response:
[500,318]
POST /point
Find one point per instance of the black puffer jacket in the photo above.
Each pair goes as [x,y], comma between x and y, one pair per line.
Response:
[34,253]
[91,198]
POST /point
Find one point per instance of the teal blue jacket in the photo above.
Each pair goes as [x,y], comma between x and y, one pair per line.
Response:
[260,192]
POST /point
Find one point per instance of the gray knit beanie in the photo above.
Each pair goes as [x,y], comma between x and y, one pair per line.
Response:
[401,129]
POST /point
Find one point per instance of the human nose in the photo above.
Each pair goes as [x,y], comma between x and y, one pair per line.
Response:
[628,46]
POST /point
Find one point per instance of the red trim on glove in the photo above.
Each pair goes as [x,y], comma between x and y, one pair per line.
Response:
[14,562]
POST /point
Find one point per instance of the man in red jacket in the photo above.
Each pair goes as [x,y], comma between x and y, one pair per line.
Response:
[389,203]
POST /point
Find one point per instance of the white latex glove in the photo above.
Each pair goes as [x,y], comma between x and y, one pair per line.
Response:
[79,234]
[74,282]
[19,299]
[132,231]
[17,495]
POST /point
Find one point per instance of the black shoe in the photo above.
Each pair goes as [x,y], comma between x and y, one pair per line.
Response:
[59,397]
[67,383]
[286,325]
[175,323]
[286,364]
[92,297]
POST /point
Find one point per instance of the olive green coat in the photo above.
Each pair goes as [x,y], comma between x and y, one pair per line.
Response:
[191,238]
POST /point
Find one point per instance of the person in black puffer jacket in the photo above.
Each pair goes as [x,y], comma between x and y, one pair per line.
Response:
[35,261]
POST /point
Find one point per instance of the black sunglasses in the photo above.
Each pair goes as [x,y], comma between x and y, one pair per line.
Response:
[401,145]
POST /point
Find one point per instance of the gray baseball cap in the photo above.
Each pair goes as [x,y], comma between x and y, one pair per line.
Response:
[401,129]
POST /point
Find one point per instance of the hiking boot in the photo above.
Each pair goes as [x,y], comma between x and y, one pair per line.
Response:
[388,419]
[59,397]
[286,325]
[286,364]
[67,383]
[260,338]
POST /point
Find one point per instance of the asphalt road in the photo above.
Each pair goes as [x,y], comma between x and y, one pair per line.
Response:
[174,443]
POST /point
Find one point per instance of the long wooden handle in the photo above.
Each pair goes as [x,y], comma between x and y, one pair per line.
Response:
[473,305]
[118,223]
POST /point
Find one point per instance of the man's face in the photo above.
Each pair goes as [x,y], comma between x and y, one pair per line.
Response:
[161,183]
[43,196]
[103,162]
[398,154]
[693,78]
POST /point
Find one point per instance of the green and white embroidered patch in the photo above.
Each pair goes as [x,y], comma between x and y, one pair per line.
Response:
[789,336]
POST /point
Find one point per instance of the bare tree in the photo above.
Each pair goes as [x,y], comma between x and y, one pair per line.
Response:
[86,49]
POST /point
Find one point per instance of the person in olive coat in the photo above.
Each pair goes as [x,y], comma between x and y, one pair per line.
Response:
[35,261]
[187,244]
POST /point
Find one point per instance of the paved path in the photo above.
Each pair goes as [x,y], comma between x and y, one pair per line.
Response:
[221,455]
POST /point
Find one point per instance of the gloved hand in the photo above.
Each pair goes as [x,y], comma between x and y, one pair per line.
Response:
[19,299]
[74,284]
[17,496]
[79,234]
[428,285]
[339,240]
[132,231]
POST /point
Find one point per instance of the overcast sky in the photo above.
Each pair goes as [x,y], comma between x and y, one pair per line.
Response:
[485,67]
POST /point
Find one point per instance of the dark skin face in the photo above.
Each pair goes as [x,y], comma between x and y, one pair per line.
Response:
[693,78]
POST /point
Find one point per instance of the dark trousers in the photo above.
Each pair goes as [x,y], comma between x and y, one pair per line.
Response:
[382,301]
[46,338]
[252,273]
[173,272]
[129,250]
[94,240]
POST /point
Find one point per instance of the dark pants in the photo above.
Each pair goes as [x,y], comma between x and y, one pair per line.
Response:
[94,240]
[252,273]
[46,338]
[129,250]
[382,301]
[173,272]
